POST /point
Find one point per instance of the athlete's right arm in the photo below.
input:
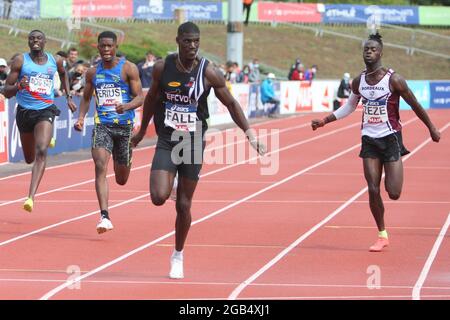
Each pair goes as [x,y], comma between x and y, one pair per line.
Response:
[151,99]
[86,99]
[11,86]
[343,111]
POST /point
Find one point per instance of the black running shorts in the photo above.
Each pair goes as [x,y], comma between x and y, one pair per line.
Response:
[27,119]
[388,149]
[184,156]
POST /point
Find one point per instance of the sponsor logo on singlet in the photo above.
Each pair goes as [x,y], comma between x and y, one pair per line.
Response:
[174,84]
[177,97]
[372,88]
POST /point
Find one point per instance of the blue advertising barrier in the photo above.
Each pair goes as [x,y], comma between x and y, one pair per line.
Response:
[421,90]
[67,139]
[159,10]
[255,107]
[440,94]
[347,13]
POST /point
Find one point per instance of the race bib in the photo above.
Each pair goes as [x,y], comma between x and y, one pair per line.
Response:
[109,95]
[375,111]
[41,83]
[181,118]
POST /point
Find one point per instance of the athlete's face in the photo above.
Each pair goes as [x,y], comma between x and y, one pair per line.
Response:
[36,41]
[107,49]
[188,44]
[372,52]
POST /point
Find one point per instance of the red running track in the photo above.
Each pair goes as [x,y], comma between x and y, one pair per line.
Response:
[301,233]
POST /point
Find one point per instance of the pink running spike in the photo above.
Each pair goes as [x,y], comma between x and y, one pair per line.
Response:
[379,245]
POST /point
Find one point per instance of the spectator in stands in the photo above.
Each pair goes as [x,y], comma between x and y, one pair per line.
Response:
[293,68]
[245,73]
[247,4]
[78,81]
[233,74]
[238,72]
[299,73]
[343,91]
[268,95]
[310,74]
[57,85]
[229,75]
[145,70]
[3,72]
[72,57]
[254,75]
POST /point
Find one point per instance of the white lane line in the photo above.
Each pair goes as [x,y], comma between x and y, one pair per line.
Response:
[148,165]
[429,262]
[147,194]
[70,282]
[281,255]
[51,293]
[269,121]
[200,283]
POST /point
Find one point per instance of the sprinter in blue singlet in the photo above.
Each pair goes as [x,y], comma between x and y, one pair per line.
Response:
[31,81]
[118,92]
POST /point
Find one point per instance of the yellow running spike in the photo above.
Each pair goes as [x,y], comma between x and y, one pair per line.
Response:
[28,205]
[52,143]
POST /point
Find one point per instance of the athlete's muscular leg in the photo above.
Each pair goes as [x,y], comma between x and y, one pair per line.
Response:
[43,132]
[372,172]
[122,172]
[394,178]
[28,146]
[101,158]
[185,192]
[161,182]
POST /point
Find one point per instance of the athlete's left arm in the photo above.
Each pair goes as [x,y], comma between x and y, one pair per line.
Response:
[399,85]
[65,83]
[215,79]
[132,76]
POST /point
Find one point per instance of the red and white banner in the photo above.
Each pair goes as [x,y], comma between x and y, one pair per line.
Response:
[289,12]
[295,96]
[102,8]
[306,96]
[219,114]
[323,94]
[3,131]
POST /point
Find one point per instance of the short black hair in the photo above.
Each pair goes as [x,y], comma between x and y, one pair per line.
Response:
[36,30]
[62,54]
[188,27]
[107,34]
[376,37]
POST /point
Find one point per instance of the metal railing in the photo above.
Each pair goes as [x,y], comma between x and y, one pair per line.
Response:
[411,40]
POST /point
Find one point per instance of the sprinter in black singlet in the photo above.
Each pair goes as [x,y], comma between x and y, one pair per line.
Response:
[177,100]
